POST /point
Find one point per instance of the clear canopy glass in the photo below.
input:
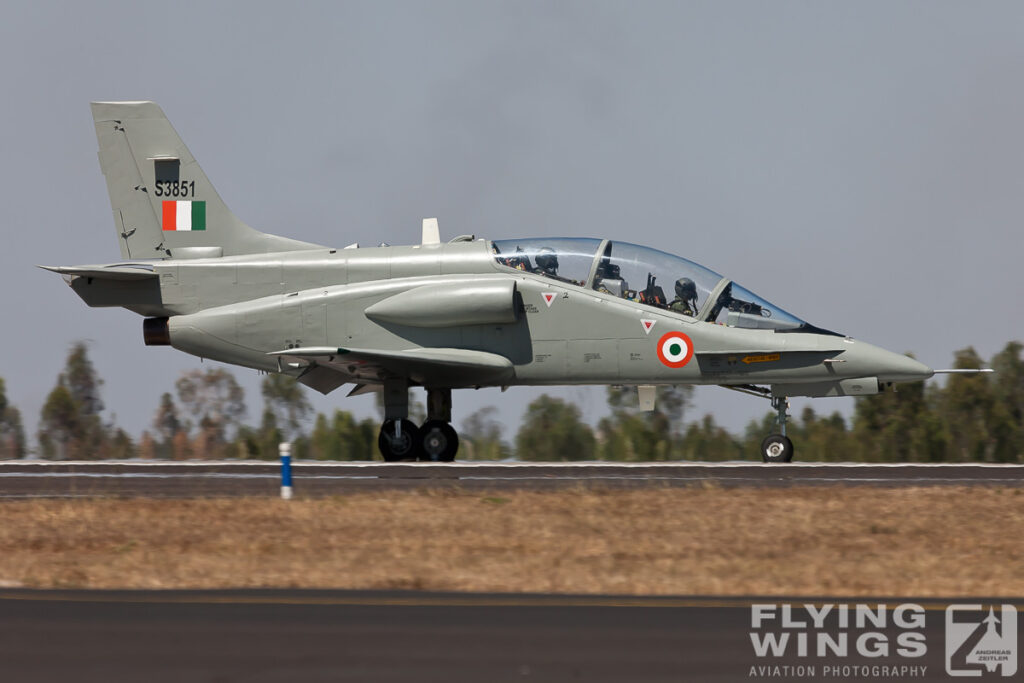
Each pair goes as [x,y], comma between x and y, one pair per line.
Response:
[649,276]
[739,307]
[646,276]
[567,259]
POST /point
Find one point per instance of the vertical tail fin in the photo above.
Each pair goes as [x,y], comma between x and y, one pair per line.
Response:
[164,205]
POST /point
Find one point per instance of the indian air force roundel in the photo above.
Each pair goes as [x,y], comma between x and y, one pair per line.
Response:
[675,349]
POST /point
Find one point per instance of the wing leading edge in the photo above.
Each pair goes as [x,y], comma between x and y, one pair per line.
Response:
[327,368]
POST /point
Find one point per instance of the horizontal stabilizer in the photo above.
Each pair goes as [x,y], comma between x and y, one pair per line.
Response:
[121,271]
[135,286]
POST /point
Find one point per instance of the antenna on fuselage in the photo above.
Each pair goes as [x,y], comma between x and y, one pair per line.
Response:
[431,232]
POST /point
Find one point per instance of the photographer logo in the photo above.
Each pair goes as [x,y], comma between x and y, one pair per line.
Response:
[981,642]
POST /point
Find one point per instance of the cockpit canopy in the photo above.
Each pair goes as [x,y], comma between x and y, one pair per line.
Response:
[649,277]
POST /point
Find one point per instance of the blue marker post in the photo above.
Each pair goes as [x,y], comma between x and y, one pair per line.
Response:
[286,470]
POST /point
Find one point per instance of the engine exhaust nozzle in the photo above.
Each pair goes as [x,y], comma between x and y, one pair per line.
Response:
[155,332]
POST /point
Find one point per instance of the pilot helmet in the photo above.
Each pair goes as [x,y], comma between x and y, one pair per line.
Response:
[547,260]
[686,289]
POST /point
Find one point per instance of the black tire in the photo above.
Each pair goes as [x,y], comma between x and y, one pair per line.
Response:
[405,448]
[439,442]
[777,448]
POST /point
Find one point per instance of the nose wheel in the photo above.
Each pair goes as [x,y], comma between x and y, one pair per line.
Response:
[778,447]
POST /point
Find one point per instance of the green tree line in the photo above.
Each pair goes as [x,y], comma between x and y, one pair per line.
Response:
[969,418]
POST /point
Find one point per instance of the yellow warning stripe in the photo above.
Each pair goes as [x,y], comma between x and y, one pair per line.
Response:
[763,358]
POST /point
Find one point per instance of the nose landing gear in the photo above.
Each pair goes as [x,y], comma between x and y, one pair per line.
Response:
[778,447]
[775,447]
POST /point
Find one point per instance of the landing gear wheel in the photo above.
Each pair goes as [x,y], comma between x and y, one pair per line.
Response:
[402,446]
[439,441]
[777,448]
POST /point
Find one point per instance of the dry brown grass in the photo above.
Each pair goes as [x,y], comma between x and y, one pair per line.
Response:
[845,541]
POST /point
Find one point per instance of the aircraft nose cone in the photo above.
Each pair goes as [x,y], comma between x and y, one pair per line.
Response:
[902,368]
[891,367]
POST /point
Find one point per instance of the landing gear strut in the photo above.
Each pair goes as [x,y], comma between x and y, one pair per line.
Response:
[778,447]
[438,439]
[400,439]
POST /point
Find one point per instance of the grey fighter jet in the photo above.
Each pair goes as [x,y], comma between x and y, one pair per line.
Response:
[466,313]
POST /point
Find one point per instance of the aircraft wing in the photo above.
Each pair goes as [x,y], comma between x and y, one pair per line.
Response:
[113,272]
[329,367]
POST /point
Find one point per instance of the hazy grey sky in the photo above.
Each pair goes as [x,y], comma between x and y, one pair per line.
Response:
[859,164]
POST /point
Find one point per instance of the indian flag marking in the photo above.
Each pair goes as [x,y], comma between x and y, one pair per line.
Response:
[184,215]
[675,349]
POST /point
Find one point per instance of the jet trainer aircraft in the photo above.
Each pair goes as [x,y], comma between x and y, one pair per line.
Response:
[468,313]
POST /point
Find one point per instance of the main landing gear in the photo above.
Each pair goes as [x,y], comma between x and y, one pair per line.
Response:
[398,440]
[435,441]
[778,447]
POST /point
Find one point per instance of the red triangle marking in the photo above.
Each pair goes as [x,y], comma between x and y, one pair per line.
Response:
[647,325]
[548,298]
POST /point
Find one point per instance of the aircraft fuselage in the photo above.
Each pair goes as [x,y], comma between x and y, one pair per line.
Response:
[240,309]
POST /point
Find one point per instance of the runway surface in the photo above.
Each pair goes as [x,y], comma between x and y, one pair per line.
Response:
[28,479]
[265,636]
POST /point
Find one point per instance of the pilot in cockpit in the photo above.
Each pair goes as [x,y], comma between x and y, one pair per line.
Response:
[609,279]
[547,261]
[686,297]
